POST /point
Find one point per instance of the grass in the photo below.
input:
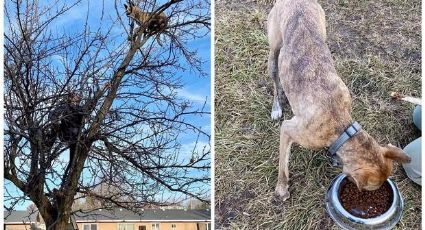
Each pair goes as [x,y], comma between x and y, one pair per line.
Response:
[376,48]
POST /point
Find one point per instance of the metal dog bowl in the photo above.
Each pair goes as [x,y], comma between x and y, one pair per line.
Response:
[345,220]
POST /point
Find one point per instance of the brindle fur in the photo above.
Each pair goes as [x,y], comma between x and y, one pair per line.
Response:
[152,23]
[301,66]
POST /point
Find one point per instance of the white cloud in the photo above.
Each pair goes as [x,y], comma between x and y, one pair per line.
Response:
[194,97]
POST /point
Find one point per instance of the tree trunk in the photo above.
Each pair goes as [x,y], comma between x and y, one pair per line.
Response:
[58,223]
[61,224]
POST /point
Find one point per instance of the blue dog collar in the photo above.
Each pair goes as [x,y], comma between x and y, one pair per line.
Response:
[349,132]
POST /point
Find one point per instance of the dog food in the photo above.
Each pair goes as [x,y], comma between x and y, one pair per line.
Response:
[365,204]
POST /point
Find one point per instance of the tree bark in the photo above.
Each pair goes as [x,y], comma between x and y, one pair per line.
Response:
[58,223]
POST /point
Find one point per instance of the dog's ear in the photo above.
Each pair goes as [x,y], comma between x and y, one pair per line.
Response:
[396,154]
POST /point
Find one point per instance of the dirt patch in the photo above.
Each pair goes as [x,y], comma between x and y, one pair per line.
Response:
[229,208]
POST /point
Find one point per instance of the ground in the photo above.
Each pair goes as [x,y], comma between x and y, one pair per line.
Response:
[376,48]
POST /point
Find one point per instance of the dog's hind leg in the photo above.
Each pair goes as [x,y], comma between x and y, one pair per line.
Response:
[275,42]
[278,91]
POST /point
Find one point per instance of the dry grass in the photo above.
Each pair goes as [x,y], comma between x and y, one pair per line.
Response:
[376,47]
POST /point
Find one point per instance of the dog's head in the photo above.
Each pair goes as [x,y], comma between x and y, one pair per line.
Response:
[370,167]
[129,8]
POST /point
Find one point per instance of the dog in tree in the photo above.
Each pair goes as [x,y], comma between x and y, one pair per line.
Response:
[150,22]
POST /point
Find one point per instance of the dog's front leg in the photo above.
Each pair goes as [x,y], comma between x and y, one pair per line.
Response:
[288,126]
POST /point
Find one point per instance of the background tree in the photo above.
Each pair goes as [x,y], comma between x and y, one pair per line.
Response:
[134,121]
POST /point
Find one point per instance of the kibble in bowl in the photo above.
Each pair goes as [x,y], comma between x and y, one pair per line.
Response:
[354,209]
[365,204]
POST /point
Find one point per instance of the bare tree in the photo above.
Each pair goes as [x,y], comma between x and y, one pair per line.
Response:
[91,106]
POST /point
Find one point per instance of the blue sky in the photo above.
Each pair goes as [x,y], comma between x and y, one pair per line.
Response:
[195,88]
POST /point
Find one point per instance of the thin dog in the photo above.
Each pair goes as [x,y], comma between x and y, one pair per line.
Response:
[152,23]
[301,66]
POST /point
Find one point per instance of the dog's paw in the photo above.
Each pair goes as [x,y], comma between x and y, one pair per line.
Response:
[276,110]
[276,114]
[282,192]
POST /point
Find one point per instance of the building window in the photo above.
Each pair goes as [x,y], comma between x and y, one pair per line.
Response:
[89,226]
[173,226]
[143,227]
[204,226]
[155,226]
[125,226]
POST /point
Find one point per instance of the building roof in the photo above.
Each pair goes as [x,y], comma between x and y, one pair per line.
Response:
[20,217]
[122,215]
